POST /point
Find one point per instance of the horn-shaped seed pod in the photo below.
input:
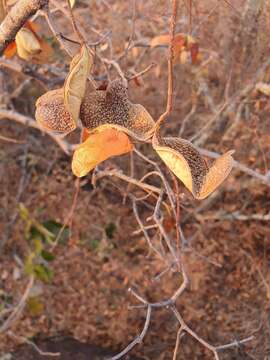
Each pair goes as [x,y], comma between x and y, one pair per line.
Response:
[111,108]
[189,166]
[99,146]
[51,113]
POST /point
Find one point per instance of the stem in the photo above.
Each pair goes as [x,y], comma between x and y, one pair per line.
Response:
[170,66]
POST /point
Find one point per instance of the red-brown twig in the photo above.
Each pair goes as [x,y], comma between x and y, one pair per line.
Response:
[169,106]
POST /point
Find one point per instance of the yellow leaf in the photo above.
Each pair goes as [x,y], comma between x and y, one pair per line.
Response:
[75,84]
[98,147]
[27,44]
[51,113]
[189,166]
[72,3]
[35,306]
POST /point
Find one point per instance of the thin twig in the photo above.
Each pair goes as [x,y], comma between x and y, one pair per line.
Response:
[19,308]
[141,73]
[33,345]
[237,165]
[28,121]
[144,186]
[138,339]
[169,106]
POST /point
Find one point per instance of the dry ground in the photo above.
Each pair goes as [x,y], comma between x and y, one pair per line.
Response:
[229,267]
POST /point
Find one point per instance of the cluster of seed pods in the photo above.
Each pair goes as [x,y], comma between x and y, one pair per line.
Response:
[112,123]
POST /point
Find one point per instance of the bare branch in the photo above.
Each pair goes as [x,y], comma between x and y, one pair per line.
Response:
[263,178]
[16,18]
[33,345]
[169,106]
[19,308]
[27,121]
[138,339]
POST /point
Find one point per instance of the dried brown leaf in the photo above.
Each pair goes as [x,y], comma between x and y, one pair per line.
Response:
[263,88]
[185,47]
[27,44]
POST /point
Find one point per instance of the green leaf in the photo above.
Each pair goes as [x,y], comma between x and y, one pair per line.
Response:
[110,229]
[46,255]
[35,306]
[55,227]
[24,213]
[43,273]
[38,245]
[29,264]
[94,244]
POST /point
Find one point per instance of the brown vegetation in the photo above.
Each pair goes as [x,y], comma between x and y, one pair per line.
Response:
[71,248]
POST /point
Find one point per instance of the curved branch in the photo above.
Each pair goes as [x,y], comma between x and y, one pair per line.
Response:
[16,18]
[28,121]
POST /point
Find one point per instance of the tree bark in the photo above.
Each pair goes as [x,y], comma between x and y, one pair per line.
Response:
[16,18]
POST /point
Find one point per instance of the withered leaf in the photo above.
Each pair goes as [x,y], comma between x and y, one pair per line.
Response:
[27,44]
[30,46]
[263,88]
[75,84]
[185,47]
[98,147]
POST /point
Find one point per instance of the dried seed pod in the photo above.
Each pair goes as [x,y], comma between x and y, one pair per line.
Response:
[27,44]
[75,84]
[189,166]
[51,113]
[111,108]
[99,146]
